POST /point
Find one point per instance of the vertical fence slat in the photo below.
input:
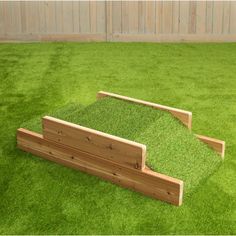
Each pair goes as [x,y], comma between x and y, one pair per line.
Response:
[167,17]
[67,17]
[116,17]
[42,21]
[226,17]
[133,17]
[209,17]
[101,18]
[125,17]
[218,17]
[232,17]
[150,22]
[93,16]
[201,17]
[192,17]
[184,17]
[50,17]
[141,17]
[84,19]
[159,17]
[175,17]
[76,21]
[59,16]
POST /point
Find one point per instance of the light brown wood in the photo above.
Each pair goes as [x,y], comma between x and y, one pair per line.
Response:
[184,116]
[125,152]
[148,21]
[216,144]
[150,183]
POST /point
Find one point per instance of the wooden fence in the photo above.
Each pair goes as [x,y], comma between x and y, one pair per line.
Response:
[118,20]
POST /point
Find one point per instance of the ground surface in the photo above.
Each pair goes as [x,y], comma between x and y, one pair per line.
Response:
[38,197]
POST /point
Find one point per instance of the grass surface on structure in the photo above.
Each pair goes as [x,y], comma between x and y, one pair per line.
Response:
[41,197]
[172,149]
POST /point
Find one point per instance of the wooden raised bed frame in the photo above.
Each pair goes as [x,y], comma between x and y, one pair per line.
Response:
[112,158]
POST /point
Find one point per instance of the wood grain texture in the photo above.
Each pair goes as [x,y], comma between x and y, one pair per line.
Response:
[116,17]
[184,116]
[150,183]
[226,17]
[150,17]
[154,21]
[218,11]
[233,17]
[201,17]
[84,20]
[184,17]
[125,152]
[216,144]
[167,17]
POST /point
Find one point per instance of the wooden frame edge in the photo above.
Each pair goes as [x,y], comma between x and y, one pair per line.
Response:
[97,133]
[216,144]
[169,190]
[184,116]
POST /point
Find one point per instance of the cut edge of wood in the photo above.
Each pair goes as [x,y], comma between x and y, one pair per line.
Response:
[184,116]
[216,144]
[35,143]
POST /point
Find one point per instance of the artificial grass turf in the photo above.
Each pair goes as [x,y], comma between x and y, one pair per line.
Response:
[172,149]
[39,197]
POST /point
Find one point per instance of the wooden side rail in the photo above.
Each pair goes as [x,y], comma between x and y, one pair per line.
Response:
[123,151]
[216,144]
[150,183]
[184,116]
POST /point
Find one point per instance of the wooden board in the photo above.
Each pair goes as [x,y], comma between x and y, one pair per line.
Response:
[150,183]
[122,151]
[184,116]
[216,144]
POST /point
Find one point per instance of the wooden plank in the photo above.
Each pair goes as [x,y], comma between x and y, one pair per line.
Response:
[141,16]
[116,17]
[233,17]
[133,17]
[42,18]
[192,17]
[175,16]
[150,183]
[76,16]
[50,16]
[218,17]
[167,17]
[101,17]
[209,17]
[184,116]
[201,17]
[32,17]
[125,17]
[109,20]
[216,144]
[59,16]
[184,17]
[150,17]
[159,17]
[2,20]
[93,16]
[84,19]
[226,17]
[67,9]
[125,152]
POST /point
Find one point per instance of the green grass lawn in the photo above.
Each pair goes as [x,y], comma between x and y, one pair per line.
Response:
[40,197]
